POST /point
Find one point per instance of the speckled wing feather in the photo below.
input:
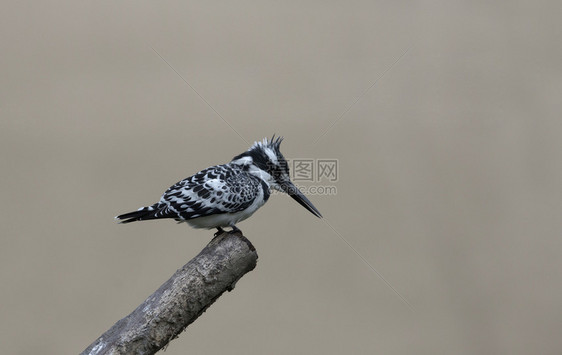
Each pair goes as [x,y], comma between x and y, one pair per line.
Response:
[218,189]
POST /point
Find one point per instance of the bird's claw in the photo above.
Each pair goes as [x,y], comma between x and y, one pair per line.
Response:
[235,230]
[219,231]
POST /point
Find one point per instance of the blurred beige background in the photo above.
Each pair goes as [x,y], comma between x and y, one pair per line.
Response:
[450,171]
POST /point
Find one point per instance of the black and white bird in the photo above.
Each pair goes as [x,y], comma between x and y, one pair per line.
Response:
[223,195]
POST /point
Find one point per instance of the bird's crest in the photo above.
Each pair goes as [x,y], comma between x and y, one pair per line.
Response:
[273,143]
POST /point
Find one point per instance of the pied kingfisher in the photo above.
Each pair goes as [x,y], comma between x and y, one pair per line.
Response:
[223,195]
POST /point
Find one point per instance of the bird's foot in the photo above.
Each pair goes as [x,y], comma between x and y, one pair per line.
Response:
[235,230]
[219,231]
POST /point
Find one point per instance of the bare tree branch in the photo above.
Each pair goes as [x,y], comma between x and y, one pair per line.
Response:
[181,299]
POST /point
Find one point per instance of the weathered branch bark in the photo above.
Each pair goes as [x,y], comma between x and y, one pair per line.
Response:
[181,299]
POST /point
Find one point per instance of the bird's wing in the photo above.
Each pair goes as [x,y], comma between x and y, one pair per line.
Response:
[216,190]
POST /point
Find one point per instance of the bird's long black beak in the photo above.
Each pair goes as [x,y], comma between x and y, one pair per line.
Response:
[298,196]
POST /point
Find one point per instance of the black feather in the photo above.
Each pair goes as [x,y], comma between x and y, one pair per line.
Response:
[146,213]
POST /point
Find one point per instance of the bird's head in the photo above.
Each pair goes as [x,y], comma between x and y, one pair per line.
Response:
[264,160]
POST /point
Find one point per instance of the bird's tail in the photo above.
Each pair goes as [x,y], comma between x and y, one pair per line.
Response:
[142,214]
